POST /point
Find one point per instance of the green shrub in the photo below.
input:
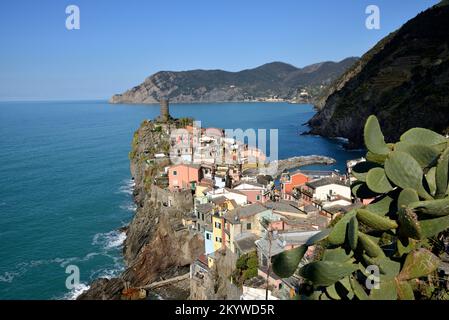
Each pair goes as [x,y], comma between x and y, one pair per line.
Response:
[252,262]
[249,273]
[246,267]
[241,262]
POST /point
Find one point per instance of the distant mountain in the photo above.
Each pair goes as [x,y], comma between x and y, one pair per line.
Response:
[272,80]
[404,80]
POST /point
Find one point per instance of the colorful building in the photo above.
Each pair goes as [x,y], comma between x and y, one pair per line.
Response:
[243,219]
[231,194]
[222,205]
[204,213]
[289,181]
[218,234]
[208,240]
[183,176]
[326,190]
[254,192]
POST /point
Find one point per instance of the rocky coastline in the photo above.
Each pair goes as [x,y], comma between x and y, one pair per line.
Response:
[158,246]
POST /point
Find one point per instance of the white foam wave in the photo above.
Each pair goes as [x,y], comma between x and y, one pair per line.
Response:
[20,269]
[109,240]
[109,273]
[76,292]
[117,241]
[23,267]
[132,207]
[8,277]
[341,139]
[66,261]
[127,187]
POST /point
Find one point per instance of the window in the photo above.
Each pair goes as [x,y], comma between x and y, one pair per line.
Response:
[218,239]
[218,225]
[248,226]
[175,173]
[202,216]
[258,197]
[208,236]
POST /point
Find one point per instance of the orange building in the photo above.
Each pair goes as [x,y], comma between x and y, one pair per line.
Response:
[290,180]
[183,176]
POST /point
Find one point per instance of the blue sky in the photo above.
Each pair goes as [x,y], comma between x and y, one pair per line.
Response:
[121,42]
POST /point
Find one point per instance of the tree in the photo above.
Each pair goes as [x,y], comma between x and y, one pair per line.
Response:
[246,267]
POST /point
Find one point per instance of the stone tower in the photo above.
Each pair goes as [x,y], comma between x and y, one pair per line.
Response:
[165,112]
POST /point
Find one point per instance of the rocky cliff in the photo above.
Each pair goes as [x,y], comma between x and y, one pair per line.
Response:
[273,79]
[157,243]
[216,284]
[403,80]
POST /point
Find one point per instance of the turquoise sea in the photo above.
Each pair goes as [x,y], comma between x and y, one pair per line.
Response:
[65,185]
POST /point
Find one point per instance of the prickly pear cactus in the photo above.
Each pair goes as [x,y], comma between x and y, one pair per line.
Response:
[409,184]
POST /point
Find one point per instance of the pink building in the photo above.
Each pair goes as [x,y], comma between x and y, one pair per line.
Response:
[254,192]
[183,176]
[254,195]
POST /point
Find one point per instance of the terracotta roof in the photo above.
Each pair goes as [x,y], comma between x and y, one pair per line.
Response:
[203,259]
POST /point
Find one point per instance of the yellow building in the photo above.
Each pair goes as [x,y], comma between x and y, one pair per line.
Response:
[211,260]
[244,219]
[221,207]
[218,232]
[200,190]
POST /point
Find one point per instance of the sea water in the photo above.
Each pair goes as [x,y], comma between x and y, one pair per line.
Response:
[66,189]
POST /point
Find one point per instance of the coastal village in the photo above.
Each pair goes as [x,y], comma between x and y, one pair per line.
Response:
[226,214]
[244,218]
